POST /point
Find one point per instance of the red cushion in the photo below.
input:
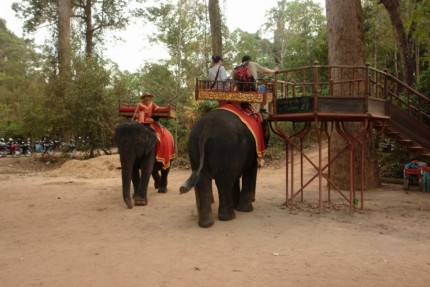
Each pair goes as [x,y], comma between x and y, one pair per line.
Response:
[126,109]
[412,171]
[163,110]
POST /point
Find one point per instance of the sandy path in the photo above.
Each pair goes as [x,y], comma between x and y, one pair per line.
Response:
[70,227]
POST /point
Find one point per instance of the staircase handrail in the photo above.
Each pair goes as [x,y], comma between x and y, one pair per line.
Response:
[404,96]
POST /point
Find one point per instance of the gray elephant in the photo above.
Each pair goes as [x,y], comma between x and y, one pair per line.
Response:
[221,147]
[137,150]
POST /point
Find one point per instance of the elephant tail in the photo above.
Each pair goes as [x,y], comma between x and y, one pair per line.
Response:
[195,175]
[191,181]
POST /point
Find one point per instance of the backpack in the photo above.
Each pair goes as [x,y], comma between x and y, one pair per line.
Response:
[245,81]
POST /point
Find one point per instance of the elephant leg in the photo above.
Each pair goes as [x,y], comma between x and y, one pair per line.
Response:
[146,167]
[163,180]
[226,202]
[135,178]
[236,193]
[140,197]
[203,190]
[156,177]
[247,195]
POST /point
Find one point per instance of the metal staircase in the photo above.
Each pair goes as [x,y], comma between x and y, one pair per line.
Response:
[409,113]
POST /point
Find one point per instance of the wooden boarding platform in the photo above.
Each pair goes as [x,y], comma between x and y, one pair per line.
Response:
[307,108]
[323,103]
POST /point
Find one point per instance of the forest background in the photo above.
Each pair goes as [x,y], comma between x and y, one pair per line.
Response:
[38,100]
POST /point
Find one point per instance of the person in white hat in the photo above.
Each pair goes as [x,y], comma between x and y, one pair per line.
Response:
[145,108]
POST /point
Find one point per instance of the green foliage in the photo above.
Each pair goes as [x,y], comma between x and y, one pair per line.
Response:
[36,13]
[419,23]
[4,113]
[423,86]
[159,81]
[381,47]
[33,112]
[304,39]
[391,163]
[379,37]
[184,28]
[31,102]
[94,107]
[245,43]
[206,106]
[90,23]
[21,83]
[423,83]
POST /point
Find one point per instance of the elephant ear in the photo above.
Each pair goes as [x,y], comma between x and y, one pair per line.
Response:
[151,141]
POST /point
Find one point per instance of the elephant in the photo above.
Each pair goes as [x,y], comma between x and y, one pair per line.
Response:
[221,147]
[137,149]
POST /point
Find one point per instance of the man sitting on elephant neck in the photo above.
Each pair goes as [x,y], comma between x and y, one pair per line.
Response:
[144,109]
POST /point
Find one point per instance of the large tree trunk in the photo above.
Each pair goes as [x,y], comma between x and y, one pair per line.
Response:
[403,39]
[215,22]
[89,31]
[64,51]
[64,46]
[278,42]
[346,46]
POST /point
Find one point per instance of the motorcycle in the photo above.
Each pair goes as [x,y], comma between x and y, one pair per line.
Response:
[57,144]
[26,148]
[47,148]
[10,148]
[71,150]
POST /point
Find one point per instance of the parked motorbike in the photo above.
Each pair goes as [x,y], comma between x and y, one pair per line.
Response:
[57,144]
[47,148]
[10,148]
[71,150]
[26,148]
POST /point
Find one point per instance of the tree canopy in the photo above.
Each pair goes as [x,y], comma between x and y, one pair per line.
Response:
[33,102]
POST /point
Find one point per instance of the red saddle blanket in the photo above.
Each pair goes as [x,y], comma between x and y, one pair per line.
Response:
[253,121]
[165,145]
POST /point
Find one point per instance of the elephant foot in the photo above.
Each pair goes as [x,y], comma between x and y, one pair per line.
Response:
[128,203]
[162,190]
[226,215]
[245,207]
[156,185]
[140,201]
[206,222]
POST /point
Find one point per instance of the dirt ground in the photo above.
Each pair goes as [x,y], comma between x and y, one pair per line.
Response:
[65,224]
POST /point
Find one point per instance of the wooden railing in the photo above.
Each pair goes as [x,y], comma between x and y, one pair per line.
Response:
[126,108]
[375,86]
[262,91]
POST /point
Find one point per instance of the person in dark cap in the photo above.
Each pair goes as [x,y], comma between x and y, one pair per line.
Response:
[255,68]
